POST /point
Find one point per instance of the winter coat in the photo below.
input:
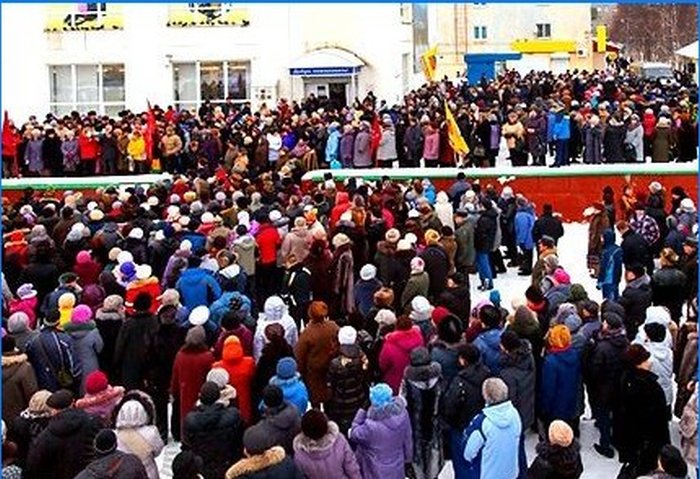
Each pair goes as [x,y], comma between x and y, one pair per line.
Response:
[364,295]
[485,231]
[296,242]
[640,424]
[395,355]
[131,349]
[602,368]
[413,143]
[214,433]
[561,380]
[143,441]
[68,436]
[635,249]
[518,372]
[593,144]
[197,287]
[431,144]
[556,462]
[688,428]
[614,143]
[417,285]
[149,286]
[291,334]
[524,223]
[547,225]
[492,442]
[444,210]
[561,128]
[362,152]
[437,265]
[466,254]
[332,145]
[599,222]
[668,289]
[462,400]
[446,355]
[294,392]
[281,425]
[663,140]
[635,138]
[101,404]
[43,275]
[108,324]
[115,465]
[348,380]
[662,366]
[244,247]
[271,464]
[50,352]
[489,344]
[383,440]
[648,227]
[189,373]
[610,261]
[241,370]
[244,335]
[347,146]
[33,155]
[316,348]
[422,388]
[18,384]
[636,298]
[87,345]
[387,145]
[329,456]
[343,280]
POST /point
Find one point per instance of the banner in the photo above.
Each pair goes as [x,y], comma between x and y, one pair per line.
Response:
[454,136]
[601,33]
[429,63]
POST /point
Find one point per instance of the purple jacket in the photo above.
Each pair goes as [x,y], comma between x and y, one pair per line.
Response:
[384,440]
[330,456]
[347,148]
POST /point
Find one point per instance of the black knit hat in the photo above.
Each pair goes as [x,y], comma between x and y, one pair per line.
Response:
[510,340]
[314,424]
[61,399]
[636,355]
[420,357]
[272,396]
[105,442]
[672,461]
[257,440]
[209,393]
[187,465]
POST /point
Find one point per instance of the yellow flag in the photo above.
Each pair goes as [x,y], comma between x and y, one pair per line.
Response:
[453,134]
[429,62]
[601,33]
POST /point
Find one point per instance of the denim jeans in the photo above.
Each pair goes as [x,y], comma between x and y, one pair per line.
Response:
[483,266]
[561,152]
[611,292]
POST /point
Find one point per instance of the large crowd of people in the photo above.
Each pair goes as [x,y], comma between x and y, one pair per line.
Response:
[590,117]
[281,332]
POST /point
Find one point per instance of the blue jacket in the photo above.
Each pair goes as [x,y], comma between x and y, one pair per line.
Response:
[198,240]
[294,392]
[524,222]
[492,443]
[489,344]
[364,294]
[197,287]
[561,375]
[333,145]
[562,127]
[430,193]
[610,261]
[50,352]
[221,306]
[550,126]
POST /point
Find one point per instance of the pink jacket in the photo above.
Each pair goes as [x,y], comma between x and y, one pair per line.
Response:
[396,355]
[28,306]
[431,146]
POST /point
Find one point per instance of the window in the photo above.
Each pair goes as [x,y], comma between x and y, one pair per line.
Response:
[196,82]
[87,87]
[544,30]
[480,32]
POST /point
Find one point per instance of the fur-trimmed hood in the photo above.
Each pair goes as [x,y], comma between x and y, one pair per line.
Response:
[250,465]
[13,359]
[320,447]
[424,377]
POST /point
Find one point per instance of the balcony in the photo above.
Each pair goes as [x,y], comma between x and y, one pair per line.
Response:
[83,17]
[207,15]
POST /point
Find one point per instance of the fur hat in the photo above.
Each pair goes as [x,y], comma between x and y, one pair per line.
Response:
[143,271]
[18,322]
[273,396]
[392,236]
[368,272]
[340,239]
[113,302]
[132,414]
[404,245]
[421,309]
[195,336]
[219,376]
[66,301]
[432,237]
[105,442]
[170,297]
[209,393]
[383,297]
[60,400]
[385,317]
[314,424]
[38,404]
[26,291]
[636,354]
[257,440]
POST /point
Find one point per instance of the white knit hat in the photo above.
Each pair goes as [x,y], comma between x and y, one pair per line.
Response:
[136,233]
[199,316]
[132,414]
[420,308]
[125,257]
[368,272]
[385,316]
[143,271]
[219,376]
[347,335]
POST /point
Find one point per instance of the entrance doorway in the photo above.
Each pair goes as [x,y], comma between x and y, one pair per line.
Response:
[337,94]
[335,90]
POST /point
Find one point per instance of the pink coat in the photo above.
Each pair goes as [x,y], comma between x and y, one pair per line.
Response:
[431,146]
[396,355]
[28,306]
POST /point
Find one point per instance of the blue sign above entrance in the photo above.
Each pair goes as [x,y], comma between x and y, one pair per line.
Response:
[324,71]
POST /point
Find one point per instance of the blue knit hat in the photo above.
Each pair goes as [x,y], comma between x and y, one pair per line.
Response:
[380,395]
[286,368]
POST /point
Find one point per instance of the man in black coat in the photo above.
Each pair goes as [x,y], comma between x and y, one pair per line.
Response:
[437,263]
[547,225]
[635,249]
[112,463]
[281,421]
[640,425]
[484,237]
[214,433]
[602,368]
[134,342]
[413,143]
[463,400]
[636,298]
[65,447]
[518,372]
[689,266]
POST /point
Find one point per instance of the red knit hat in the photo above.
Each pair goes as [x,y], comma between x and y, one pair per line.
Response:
[96,382]
[439,313]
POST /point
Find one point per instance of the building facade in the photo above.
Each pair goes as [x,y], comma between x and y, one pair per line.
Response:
[108,57]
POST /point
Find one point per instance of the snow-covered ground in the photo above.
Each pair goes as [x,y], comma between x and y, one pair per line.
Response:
[572,255]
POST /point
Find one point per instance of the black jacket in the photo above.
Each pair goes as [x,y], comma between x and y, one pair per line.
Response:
[602,368]
[131,350]
[282,426]
[547,225]
[689,266]
[116,465]
[167,341]
[634,249]
[463,400]
[215,434]
[668,288]
[636,298]
[43,275]
[348,378]
[555,462]
[437,265]
[68,436]
[640,424]
[518,372]
[485,231]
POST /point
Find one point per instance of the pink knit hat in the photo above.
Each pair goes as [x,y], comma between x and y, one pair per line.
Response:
[81,314]
[83,257]
[561,276]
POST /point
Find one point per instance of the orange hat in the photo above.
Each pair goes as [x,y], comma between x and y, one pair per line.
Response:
[559,337]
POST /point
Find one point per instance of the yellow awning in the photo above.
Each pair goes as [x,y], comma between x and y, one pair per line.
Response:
[543,46]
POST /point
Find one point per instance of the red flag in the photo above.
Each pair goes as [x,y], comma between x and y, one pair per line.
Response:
[150,130]
[376,135]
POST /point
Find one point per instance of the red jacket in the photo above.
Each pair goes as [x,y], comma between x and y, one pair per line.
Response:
[268,240]
[149,286]
[342,204]
[89,148]
[649,124]
[10,142]
[190,371]
[241,370]
[88,273]
[396,355]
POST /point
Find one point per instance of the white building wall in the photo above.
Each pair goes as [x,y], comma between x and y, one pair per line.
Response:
[278,34]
